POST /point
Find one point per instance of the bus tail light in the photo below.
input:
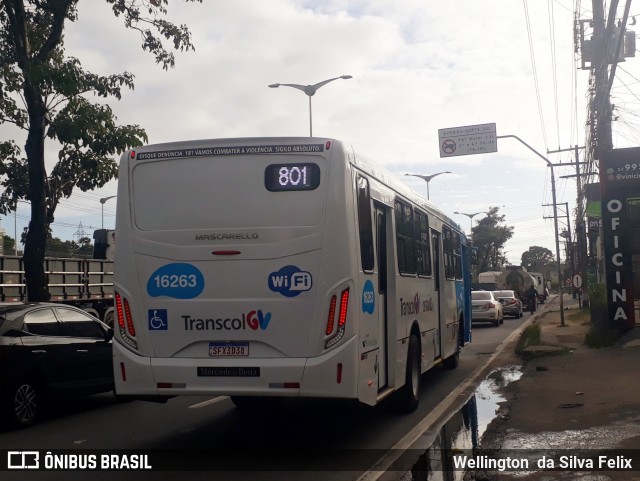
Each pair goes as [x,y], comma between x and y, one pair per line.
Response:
[127,313]
[344,302]
[332,315]
[125,321]
[342,318]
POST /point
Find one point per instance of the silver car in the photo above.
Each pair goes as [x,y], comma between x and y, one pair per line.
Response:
[511,304]
[486,308]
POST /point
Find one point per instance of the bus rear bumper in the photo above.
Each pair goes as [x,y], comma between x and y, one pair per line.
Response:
[333,374]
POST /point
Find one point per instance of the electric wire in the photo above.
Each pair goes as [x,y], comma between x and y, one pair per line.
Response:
[535,73]
[554,66]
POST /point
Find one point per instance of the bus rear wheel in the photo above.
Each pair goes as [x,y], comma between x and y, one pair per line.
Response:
[410,392]
[452,361]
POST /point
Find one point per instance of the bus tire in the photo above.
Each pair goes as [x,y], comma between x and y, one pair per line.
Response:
[452,361]
[410,392]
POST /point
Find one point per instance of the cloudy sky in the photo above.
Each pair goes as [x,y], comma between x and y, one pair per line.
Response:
[417,66]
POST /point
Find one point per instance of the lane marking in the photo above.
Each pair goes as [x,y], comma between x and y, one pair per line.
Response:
[209,402]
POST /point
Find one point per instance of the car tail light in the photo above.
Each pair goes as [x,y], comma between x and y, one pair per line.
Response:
[489,305]
[342,318]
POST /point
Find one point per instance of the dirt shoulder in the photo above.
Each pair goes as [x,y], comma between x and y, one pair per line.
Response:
[572,396]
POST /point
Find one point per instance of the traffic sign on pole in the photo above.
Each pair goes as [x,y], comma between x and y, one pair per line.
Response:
[577,281]
[467,140]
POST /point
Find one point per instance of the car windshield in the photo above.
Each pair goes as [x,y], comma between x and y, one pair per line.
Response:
[480,296]
[10,312]
[504,294]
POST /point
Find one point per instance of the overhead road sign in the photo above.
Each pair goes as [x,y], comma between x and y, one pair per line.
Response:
[468,140]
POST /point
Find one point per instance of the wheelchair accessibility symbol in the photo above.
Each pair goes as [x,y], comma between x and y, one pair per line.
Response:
[158,320]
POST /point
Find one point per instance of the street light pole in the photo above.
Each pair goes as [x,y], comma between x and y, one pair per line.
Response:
[102,201]
[555,218]
[310,90]
[427,178]
[470,216]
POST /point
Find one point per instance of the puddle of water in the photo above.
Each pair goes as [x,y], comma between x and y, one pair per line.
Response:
[463,430]
[462,433]
[604,437]
[488,395]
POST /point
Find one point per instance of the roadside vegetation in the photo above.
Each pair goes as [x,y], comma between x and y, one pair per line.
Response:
[529,337]
[530,345]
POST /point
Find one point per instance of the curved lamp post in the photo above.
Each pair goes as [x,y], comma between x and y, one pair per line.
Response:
[470,216]
[427,178]
[310,90]
[102,201]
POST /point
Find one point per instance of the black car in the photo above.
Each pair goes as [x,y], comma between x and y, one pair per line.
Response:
[49,351]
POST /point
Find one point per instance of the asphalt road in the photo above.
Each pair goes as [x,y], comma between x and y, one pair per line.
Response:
[213,432]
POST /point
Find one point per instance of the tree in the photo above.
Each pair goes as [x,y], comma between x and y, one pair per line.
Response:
[58,248]
[47,94]
[536,258]
[8,245]
[489,237]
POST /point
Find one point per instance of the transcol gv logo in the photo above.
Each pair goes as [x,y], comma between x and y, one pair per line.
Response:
[290,281]
[255,320]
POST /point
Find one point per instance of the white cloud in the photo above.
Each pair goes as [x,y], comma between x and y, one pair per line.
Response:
[417,66]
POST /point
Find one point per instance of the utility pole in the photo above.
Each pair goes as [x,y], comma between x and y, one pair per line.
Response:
[580,230]
[555,218]
[569,246]
[602,114]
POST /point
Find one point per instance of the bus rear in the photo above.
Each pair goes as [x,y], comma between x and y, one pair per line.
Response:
[229,276]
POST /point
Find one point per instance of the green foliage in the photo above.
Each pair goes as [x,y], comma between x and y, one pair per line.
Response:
[536,258]
[490,236]
[529,337]
[8,245]
[59,248]
[597,294]
[48,94]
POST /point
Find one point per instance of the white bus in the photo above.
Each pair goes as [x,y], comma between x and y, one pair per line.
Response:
[281,267]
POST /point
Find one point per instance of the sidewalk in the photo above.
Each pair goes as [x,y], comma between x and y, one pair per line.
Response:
[570,396]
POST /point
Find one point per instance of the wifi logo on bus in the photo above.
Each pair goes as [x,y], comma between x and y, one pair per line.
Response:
[290,281]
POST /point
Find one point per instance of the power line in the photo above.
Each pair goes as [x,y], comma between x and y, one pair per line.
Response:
[535,72]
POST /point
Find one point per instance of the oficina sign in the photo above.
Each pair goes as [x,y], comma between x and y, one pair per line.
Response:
[618,184]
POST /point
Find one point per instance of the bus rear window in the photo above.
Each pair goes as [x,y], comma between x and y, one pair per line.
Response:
[226,192]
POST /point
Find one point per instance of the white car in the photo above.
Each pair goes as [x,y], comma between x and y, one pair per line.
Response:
[486,308]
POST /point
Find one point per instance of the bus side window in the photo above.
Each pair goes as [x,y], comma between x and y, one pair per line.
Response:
[457,256]
[405,239]
[423,250]
[365,228]
[447,241]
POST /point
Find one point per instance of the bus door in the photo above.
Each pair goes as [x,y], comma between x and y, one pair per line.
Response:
[436,241]
[381,300]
